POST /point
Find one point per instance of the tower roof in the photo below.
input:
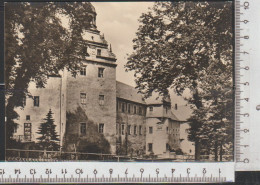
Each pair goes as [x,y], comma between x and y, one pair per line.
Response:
[90,8]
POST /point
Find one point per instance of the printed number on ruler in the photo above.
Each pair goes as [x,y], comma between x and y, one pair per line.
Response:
[116,172]
[242,63]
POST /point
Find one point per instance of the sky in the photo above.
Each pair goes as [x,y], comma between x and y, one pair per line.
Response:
[119,23]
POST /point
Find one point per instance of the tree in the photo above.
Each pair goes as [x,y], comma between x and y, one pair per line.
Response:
[37,45]
[179,46]
[91,141]
[49,137]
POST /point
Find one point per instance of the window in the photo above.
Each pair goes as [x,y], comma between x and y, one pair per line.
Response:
[134,109]
[167,130]
[167,147]
[150,147]
[36,101]
[83,71]
[117,128]
[101,99]
[176,106]
[150,130]
[27,131]
[83,128]
[24,101]
[98,52]
[129,129]
[140,111]
[123,129]
[151,109]
[28,117]
[140,130]
[129,108]
[100,72]
[83,98]
[15,129]
[135,130]
[123,107]
[101,128]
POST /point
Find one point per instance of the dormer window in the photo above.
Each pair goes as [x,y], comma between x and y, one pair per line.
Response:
[98,52]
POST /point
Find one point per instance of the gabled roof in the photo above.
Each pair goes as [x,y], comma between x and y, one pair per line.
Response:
[183,112]
[128,92]
[173,117]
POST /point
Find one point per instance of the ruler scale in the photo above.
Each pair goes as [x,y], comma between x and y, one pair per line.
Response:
[110,172]
[96,172]
[242,85]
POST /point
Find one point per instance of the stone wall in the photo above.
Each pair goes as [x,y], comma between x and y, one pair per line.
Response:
[91,141]
[174,134]
[93,86]
[187,146]
[164,136]
[50,97]
[135,142]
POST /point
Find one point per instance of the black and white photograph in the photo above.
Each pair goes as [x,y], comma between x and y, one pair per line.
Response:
[119,81]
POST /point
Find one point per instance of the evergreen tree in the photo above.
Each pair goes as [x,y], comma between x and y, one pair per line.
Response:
[49,138]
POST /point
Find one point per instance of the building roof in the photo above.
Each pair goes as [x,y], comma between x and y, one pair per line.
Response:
[156,98]
[173,117]
[128,92]
[183,112]
[161,114]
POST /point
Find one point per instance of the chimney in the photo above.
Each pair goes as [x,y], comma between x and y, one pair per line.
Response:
[176,106]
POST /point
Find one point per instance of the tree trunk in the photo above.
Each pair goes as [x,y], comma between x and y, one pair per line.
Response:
[197,150]
[216,150]
[221,152]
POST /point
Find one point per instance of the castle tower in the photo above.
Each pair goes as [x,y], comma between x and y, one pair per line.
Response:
[93,90]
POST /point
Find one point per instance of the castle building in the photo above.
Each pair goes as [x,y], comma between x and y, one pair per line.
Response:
[129,123]
[163,127]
